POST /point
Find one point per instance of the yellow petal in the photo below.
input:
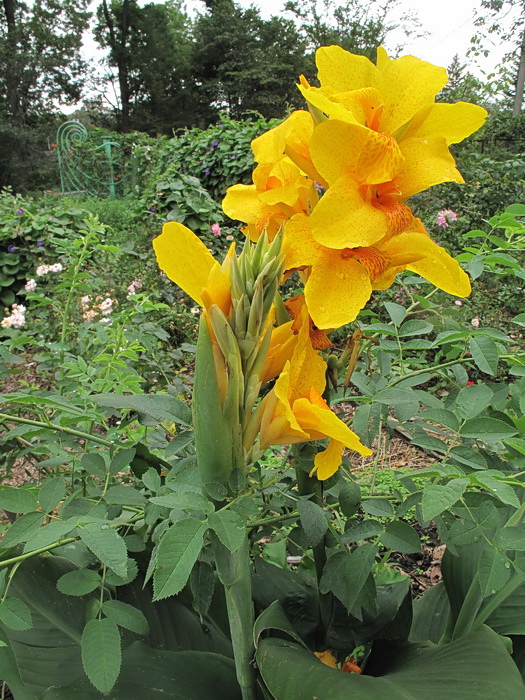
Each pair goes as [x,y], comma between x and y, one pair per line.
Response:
[322,100]
[327,462]
[407,85]
[299,247]
[322,422]
[242,202]
[347,150]
[437,266]
[427,162]
[282,345]
[382,59]
[454,122]
[343,71]
[327,658]
[296,130]
[343,219]
[337,289]
[184,258]
[307,367]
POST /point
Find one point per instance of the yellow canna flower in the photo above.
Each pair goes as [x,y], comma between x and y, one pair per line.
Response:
[395,98]
[370,182]
[280,190]
[294,411]
[340,281]
[187,262]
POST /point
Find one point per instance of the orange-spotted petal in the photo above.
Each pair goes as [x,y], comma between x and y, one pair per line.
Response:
[345,218]
[342,71]
[337,289]
[407,84]
[453,122]
[435,264]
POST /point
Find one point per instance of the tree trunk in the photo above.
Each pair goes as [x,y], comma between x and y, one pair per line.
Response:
[520,81]
[12,76]
[118,46]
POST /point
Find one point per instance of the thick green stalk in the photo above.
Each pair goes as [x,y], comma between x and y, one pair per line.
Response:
[234,571]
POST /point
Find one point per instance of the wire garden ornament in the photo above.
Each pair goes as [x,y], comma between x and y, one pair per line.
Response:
[86,169]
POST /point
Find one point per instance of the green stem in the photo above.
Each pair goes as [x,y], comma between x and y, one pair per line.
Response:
[234,571]
[59,428]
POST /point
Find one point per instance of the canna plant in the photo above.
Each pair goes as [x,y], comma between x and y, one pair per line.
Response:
[327,212]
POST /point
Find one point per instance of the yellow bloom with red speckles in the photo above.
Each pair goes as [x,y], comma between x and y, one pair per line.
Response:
[295,411]
[340,280]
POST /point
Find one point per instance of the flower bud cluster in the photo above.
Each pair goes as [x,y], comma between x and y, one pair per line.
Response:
[17,317]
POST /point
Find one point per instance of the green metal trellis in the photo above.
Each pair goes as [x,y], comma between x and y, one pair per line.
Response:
[84,169]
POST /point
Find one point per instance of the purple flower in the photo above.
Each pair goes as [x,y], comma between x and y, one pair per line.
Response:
[12,248]
[40,244]
[206,171]
[19,212]
[215,143]
[237,155]
[153,209]
[52,216]
[230,156]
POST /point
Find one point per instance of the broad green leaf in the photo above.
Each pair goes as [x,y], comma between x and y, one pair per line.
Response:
[504,492]
[22,530]
[229,528]
[473,399]
[121,459]
[15,614]
[349,497]
[477,666]
[161,407]
[487,429]
[415,328]
[131,573]
[79,582]
[511,537]
[519,320]
[151,480]
[53,532]
[101,653]
[378,506]
[494,571]
[94,463]
[124,496]
[441,416]
[437,497]
[106,544]
[313,520]
[401,537]
[184,500]
[202,584]
[17,499]
[342,568]
[125,615]
[156,674]
[396,312]
[361,530]
[469,456]
[485,354]
[51,493]
[176,554]
[517,444]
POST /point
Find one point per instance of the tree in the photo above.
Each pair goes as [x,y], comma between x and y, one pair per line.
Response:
[357,26]
[40,62]
[506,20]
[245,63]
[150,47]
[40,68]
